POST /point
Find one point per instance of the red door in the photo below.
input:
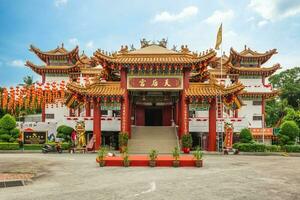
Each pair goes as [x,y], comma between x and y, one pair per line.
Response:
[167,115]
[140,115]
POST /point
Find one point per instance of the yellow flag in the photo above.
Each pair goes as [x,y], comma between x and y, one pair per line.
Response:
[219,38]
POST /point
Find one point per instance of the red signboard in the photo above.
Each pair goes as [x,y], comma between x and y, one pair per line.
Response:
[228,137]
[155,83]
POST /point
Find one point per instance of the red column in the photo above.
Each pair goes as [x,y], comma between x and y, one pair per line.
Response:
[212,126]
[179,117]
[97,125]
[125,108]
[88,109]
[184,115]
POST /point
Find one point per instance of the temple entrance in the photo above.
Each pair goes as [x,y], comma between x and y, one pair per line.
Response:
[153,116]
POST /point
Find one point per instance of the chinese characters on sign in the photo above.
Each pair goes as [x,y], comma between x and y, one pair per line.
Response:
[228,137]
[154,82]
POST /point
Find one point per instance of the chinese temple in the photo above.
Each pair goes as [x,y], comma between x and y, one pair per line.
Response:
[154,86]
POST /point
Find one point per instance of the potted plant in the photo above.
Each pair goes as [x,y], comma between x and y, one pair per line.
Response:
[198,154]
[153,156]
[187,142]
[101,156]
[126,161]
[123,141]
[175,154]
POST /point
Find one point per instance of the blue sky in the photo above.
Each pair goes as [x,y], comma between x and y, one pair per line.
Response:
[92,24]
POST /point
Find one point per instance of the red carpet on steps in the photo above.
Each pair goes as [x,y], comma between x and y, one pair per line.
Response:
[143,160]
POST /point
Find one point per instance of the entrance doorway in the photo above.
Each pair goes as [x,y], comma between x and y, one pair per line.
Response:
[153,116]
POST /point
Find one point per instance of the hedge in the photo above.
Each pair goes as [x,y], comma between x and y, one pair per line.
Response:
[9,146]
[15,146]
[291,148]
[257,147]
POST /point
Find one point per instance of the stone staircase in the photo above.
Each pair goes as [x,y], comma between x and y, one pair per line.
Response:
[146,138]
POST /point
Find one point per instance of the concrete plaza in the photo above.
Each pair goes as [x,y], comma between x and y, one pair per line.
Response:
[78,176]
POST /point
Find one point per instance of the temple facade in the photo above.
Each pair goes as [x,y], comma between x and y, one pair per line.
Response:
[156,86]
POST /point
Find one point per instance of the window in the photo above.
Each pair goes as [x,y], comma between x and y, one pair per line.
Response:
[257,118]
[192,113]
[116,113]
[257,103]
[49,116]
[104,112]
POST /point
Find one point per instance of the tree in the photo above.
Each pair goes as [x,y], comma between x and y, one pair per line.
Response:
[276,110]
[8,130]
[245,136]
[64,132]
[27,81]
[288,82]
[292,115]
[289,130]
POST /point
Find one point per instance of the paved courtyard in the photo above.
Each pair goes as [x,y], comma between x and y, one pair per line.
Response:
[74,177]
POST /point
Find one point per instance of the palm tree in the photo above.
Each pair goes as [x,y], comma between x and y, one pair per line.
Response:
[28,81]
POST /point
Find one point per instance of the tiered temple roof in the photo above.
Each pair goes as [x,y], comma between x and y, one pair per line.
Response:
[212,89]
[248,55]
[96,89]
[154,54]
[60,53]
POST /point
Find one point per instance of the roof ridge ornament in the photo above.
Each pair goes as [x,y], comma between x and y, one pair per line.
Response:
[124,49]
[185,49]
[163,42]
[144,43]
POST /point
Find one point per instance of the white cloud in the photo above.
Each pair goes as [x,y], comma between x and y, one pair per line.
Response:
[60,3]
[17,63]
[220,16]
[262,23]
[90,45]
[74,41]
[275,9]
[184,14]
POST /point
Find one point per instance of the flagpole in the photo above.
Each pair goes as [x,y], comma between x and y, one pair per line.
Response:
[221,107]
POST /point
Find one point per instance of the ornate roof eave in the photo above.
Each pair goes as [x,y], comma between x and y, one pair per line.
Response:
[175,58]
[261,57]
[254,70]
[213,89]
[97,89]
[267,95]
[44,55]
[52,69]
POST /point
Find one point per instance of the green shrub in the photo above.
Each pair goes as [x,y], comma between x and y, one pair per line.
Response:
[245,136]
[273,148]
[9,146]
[123,139]
[15,132]
[250,147]
[187,140]
[8,122]
[4,131]
[5,137]
[291,148]
[289,130]
[64,132]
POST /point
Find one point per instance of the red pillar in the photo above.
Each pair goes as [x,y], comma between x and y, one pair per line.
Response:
[125,107]
[97,125]
[88,109]
[184,115]
[212,126]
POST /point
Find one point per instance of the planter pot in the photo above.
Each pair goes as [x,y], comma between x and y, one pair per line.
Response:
[176,163]
[152,163]
[198,163]
[186,150]
[102,163]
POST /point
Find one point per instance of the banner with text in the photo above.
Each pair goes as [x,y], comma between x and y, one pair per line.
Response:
[155,83]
